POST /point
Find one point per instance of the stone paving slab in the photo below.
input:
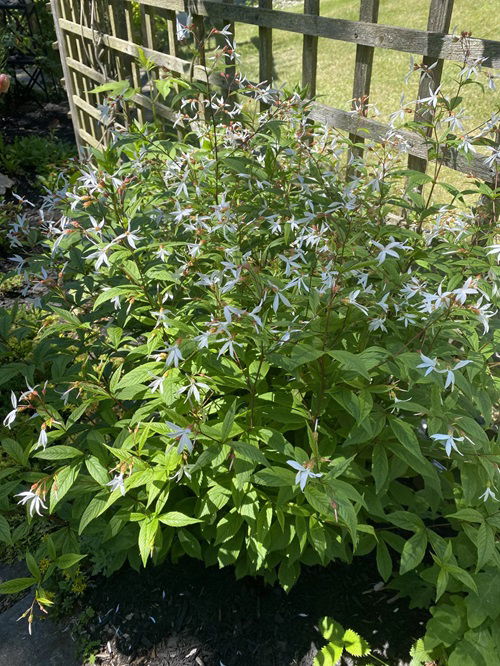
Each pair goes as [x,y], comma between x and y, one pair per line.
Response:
[48,645]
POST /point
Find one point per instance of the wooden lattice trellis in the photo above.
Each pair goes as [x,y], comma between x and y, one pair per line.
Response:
[99,42]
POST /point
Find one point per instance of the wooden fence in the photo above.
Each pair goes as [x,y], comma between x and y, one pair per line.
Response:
[99,41]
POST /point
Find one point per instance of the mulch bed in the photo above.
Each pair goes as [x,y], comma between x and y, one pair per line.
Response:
[30,118]
[189,615]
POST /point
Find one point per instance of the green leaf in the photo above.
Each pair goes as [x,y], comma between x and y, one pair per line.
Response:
[228,421]
[463,576]
[466,654]
[139,375]
[413,552]
[486,603]
[411,453]
[354,644]
[63,481]
[380,467]
[406,520]
[114,87]
[16,585]
[147,534]
[469,515]
[444,626]
[318,499]
[485,545]
[384,562]
[14,450]
[96,470]
[5,535]
[59,452]
[228,527]
[177,519]
[190,544]
[68,560]
[275,476]
[331,630]
[351,362]
[97,505]
[249,452]
[329,655]
[32,565]
[302,353]
[442,583]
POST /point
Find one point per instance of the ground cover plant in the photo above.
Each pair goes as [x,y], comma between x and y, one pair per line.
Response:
[244,359]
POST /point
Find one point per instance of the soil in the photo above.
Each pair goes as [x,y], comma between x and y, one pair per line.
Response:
[189,615]
[33,117]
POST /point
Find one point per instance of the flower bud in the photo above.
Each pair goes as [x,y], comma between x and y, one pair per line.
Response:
[4,83]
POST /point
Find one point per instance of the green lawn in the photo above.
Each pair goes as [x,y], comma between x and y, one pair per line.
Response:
[336,59]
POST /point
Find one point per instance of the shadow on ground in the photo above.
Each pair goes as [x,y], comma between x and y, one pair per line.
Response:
[187,614]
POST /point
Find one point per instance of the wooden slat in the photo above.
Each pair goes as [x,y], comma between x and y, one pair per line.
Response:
[199,37]
[87,71]
[88,138]
[368,12]
[265,47]
[173,5]
[162,59]
[372,129]
[310,52]
[119,29]
[72,46]
[230,69]
[173,44]
[70,89]
[143,100]
[438,21]
[148,29]
[382,36]
[131,40]
[88,108]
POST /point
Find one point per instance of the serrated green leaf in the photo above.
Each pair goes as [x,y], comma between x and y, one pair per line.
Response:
[355,644]
[485,545]
[331,630]
[329,655]
[62,482]
[275,476]
[59,452]
[16,585]
[68,560]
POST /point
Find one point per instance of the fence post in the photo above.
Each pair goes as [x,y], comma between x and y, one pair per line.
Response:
[368,12]
[439,21]
[230,68]
[265,51]
[134,69]
[70,90]
[310,53]
[119,29]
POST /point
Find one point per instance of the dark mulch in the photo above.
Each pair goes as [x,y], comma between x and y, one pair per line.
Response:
[31,117]
[186,614]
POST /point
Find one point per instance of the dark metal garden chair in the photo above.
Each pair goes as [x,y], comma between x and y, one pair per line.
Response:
[21,26]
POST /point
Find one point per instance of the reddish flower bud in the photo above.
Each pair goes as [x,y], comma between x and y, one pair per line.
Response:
[4,83]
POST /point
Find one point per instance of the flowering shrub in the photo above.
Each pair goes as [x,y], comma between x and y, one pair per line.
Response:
[246,360]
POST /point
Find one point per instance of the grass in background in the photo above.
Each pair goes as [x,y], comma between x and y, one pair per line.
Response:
[336,59]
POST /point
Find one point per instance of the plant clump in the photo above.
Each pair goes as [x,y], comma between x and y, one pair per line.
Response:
[244,360]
